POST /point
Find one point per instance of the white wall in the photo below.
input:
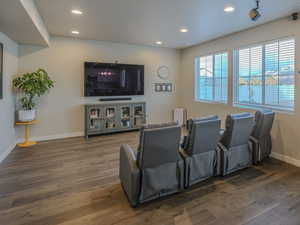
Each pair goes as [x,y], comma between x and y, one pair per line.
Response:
[10,69]
[286,131]
[61,112]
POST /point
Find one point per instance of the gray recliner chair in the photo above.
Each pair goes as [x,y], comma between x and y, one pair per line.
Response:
[157,170]
[261,135]
[200,149]
[235,147]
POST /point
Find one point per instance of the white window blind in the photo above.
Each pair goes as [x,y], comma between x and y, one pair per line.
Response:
[211,78]
[265,75]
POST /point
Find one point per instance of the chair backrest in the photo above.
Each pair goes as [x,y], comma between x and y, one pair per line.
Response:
[263,123]
[204,134]
[190,122]
[159,144]
[238,129]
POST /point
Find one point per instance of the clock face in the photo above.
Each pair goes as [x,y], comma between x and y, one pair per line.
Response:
[163,72]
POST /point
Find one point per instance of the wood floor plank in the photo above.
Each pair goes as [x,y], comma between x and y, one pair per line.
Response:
[75,182]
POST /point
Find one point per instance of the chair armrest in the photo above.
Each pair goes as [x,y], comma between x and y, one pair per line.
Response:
[129,174]
[218,162]
[222,130]
[186,159]
[254,147]
[222,147]
[181,170]
[253,139]
[183,154]
[183,142]
[222,155]
[188,124]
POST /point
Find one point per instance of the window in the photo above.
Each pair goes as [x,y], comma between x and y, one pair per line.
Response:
[265,75]
[211,73]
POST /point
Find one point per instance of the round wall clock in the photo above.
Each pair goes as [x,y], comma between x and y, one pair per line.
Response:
[163,72]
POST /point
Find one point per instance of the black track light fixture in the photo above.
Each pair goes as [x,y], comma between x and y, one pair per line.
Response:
[254,13]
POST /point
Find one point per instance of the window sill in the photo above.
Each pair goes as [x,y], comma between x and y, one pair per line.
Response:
[259,107]
[210,102]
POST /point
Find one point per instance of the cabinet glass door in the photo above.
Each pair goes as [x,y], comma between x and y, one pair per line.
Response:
[125,117]
[110,112]
[110,117]
[138,115]
[110,124]
[95,122]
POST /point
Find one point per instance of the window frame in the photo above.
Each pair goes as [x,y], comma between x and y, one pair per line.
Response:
[235,87]
[196,86]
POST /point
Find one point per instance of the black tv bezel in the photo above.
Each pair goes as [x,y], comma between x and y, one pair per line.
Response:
[112,94]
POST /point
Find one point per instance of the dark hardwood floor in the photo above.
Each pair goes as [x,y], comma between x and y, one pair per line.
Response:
[75,182]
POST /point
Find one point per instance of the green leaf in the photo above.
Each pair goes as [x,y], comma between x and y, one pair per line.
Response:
[33,85]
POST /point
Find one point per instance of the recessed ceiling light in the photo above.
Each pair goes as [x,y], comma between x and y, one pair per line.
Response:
[184,30]
[229,9]
[75,32]
[159,43]
[76,11]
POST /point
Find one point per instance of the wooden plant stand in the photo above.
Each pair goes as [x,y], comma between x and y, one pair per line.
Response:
[27,143]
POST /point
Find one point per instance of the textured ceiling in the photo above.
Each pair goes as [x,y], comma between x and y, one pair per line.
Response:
[140,21]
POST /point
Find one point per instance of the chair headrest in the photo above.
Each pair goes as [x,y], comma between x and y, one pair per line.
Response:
[203,136]
[240,116]
[264,112]
[238,129]
[159,144]
[264,122]
[199,119]
[160,125]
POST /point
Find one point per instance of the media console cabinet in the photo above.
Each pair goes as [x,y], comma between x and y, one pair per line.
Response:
[114,117]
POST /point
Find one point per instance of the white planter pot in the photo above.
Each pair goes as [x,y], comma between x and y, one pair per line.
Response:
[26,115]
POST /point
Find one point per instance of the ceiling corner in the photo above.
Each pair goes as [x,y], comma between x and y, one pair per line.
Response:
[33,13]
[21,21]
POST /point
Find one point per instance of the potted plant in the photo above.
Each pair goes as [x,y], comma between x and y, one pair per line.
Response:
[32,85]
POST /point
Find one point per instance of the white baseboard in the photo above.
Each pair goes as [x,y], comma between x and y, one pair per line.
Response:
[286,159]
[41,138]
[54,137]
[7,151]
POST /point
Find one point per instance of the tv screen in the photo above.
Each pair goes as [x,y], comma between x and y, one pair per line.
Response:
[110,79]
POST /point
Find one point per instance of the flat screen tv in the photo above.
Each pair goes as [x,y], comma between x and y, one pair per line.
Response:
[111,79]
